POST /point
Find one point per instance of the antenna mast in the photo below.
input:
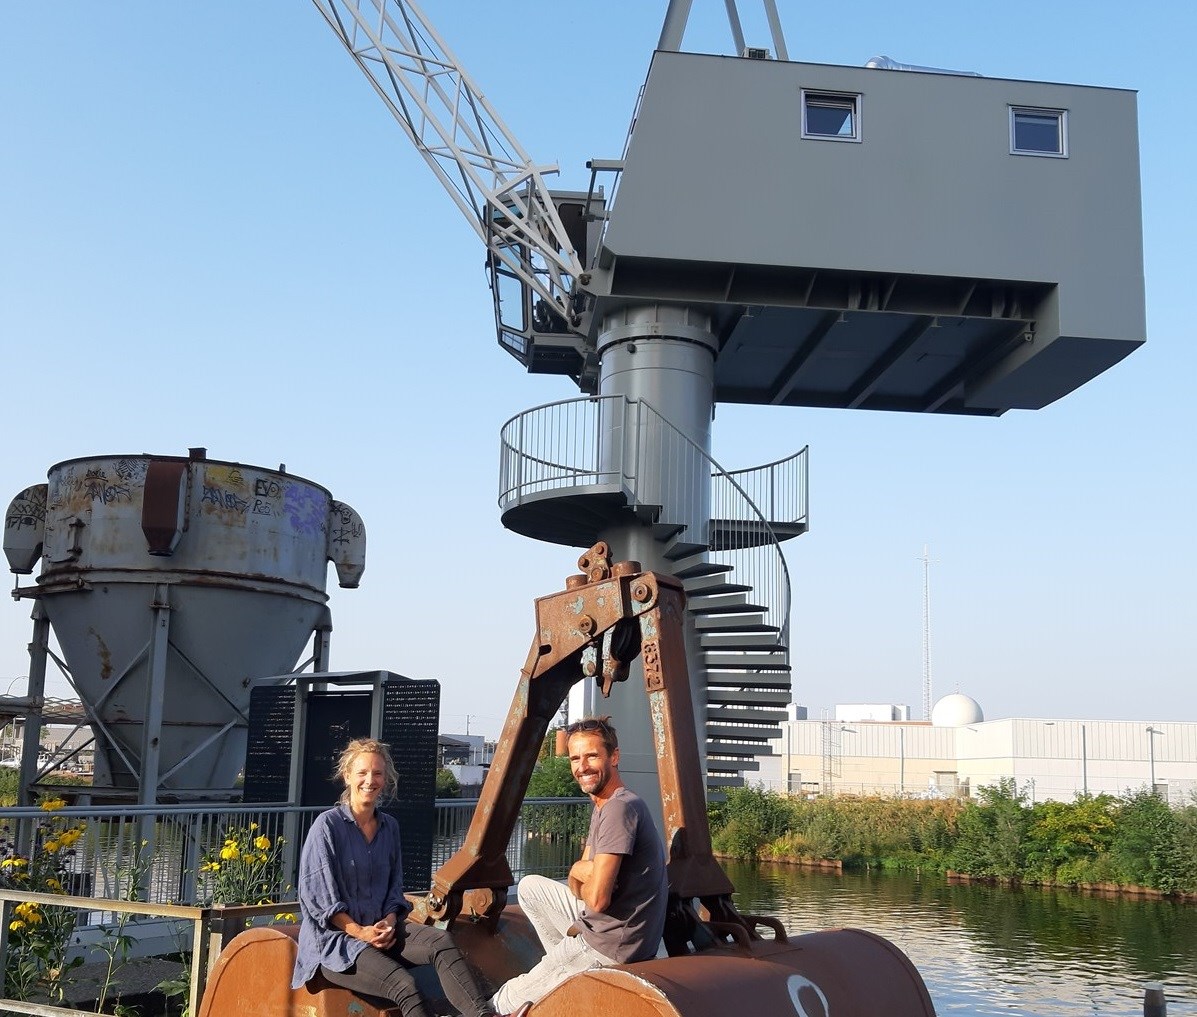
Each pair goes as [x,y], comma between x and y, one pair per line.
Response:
[927,563]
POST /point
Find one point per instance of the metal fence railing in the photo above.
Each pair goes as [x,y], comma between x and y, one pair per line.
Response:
[96,861]
[98,851]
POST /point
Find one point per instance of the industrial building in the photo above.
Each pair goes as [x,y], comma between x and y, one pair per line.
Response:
[867,750]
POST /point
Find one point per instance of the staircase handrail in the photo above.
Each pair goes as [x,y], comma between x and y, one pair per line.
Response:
[590,472]
[777,516]
[717,471]
[509,492]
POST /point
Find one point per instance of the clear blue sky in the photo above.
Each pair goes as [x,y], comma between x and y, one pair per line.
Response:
[212,233]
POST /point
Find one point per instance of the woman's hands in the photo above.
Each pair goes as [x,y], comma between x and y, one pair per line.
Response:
[382,935]
[385,933]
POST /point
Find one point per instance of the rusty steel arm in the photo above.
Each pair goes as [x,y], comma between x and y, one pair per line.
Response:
[593,629]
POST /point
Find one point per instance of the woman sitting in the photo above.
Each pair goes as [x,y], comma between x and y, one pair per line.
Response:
[353,928]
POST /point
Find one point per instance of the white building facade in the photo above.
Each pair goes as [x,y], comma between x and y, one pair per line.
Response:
[959,752]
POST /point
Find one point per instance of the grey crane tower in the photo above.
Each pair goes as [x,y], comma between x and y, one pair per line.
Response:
[881,237]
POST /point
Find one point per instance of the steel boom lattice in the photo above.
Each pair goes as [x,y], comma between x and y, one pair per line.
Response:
[486,171]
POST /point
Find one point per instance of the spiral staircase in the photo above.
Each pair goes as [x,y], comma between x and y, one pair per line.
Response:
[571,469]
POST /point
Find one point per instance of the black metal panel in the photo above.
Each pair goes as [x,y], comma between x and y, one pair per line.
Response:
[411,713]
[268,751]
[334,719]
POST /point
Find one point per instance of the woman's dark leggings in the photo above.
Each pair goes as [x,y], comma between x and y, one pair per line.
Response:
[385,973]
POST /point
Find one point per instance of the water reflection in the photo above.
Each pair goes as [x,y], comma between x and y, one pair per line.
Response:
[986,950]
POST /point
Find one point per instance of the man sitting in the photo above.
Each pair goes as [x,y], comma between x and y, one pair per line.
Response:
[613,909]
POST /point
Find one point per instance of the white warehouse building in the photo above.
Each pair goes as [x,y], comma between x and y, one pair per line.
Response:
[870,749]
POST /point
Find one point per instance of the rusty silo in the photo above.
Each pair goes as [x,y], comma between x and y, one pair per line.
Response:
[171,582]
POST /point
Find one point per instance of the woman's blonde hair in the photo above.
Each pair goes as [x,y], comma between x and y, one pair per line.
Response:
[359,747]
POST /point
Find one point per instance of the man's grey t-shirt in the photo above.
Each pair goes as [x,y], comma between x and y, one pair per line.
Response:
[630,929]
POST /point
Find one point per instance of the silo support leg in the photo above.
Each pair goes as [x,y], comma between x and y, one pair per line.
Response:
[39,651]
[151,738]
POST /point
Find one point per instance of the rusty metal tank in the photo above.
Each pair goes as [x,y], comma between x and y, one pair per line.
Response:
[170,583]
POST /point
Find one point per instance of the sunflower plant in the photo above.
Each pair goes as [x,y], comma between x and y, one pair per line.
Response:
[39,935]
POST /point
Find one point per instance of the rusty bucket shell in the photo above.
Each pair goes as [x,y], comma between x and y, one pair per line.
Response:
[833,973]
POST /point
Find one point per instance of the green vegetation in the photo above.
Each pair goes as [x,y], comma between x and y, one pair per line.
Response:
[552,778]
[1132,840]
[39,935]
[447,785]
[10,777]
[8,785]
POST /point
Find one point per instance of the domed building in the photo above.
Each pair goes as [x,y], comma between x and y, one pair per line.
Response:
[956,710]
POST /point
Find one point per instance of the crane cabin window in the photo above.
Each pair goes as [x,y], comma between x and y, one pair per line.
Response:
[1036,131]
[831,116]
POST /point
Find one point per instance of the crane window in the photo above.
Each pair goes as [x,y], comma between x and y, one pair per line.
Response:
[1038,131]
[831,116]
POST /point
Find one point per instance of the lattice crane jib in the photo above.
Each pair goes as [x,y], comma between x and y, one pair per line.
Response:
[497,186]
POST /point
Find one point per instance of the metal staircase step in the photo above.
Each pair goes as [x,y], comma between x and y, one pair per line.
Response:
[730,603]
[732,765]
[718,747]
[712,586]
[771,717]
[723,780]
[703,568]
[644,512]
[666,531]
[733,623]
[771,680]
[769,661]
[681,549]
[758,736]
[741,641]
[751,698]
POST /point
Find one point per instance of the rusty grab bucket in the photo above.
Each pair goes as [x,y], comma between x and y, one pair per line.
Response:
[834,973]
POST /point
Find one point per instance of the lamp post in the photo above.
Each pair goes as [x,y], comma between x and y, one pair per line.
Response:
[1084,762]
[1151,733]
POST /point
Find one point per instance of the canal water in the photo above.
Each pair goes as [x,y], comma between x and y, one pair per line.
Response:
[989,950]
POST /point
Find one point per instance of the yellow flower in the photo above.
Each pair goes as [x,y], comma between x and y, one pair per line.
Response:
[52,846]
[14,863]
[262,844]
[16,926]
[53,884]
[53,804]
[230,852]
[210,867]
[287,917]
[253,826]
